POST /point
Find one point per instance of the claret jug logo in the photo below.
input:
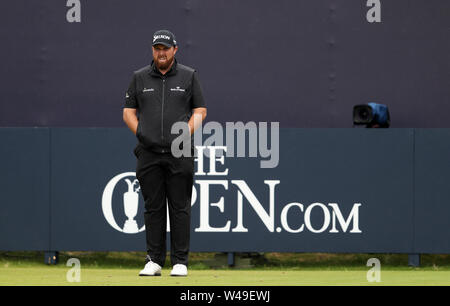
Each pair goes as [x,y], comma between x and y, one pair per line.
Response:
[130,200]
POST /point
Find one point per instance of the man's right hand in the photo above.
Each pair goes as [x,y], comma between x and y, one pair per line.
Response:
[130,118]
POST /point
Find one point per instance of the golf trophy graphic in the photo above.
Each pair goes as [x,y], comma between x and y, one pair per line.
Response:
[131,203]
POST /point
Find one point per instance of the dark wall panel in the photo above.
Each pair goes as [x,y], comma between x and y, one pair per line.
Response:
[432,192]
[262,61]
[63,189]
[403,62]
[84,161]
[25,189]
[302,63]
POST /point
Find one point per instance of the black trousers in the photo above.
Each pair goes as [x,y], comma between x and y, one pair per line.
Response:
[166,179]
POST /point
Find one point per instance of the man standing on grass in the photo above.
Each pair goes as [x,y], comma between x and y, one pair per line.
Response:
[160,95]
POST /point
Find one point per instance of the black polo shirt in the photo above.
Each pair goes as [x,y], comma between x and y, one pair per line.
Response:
[162,100]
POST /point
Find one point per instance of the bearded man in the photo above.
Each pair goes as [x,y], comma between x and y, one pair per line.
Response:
[158,96]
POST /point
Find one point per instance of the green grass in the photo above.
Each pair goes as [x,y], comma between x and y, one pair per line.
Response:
[271,269]
[124,277]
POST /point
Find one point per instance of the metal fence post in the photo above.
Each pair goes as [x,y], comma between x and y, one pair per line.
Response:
[414,260]
[231,259]
[51,257]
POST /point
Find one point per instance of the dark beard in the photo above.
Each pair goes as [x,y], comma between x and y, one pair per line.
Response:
[164,66]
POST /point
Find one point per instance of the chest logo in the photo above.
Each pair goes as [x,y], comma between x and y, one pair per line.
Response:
[178,89]
[148,90]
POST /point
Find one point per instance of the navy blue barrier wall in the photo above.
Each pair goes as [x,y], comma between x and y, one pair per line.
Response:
[431,190]
[334,190]
[25,188]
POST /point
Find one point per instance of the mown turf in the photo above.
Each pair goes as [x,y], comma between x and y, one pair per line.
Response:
[206,269]
[43,276]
